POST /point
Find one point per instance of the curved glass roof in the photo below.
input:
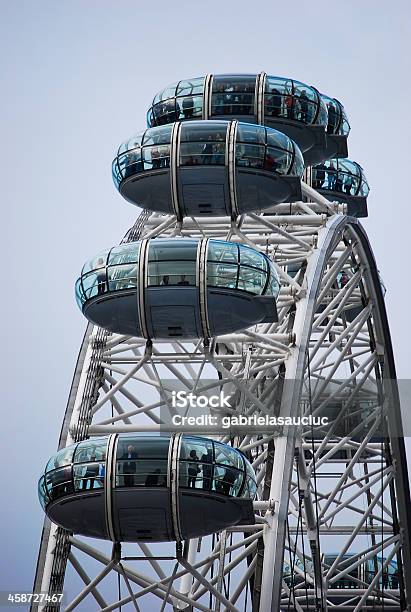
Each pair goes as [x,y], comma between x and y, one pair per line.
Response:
[204,143]
[204,464]
[173,263]
[236,95]
[340,175]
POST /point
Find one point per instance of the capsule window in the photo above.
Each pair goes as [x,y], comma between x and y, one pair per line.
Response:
[157,136]
[59,482]
[123,254]
[89,476]
[222,252]
[94,283]
[251,280]
[250,156]
[196,463]
[60,459]
[172,264]
[91,450]
[99,261]
[42,493]
[233,95]
[225,455]
[222,275]
[249,257]
[227,480]
[253,134]
[122,277]
[202,153]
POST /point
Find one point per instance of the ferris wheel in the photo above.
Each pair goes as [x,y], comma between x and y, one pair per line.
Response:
[247,276]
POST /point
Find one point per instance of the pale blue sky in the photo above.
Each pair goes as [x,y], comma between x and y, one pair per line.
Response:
[77,78]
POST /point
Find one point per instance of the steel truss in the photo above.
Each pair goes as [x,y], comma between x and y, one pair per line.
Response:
[332,499]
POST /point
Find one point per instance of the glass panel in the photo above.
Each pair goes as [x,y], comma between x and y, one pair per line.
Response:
[95,283]
[273,286]
[226,455]
[80,297]
[169,250]
[156,157]
[133,143]
[42,492]
[124,253]
[277,161]
[171,273]
[198,153]
[298,165]
[168,92]
[279,140]
[227,480]
[222,251]
[142,461]
[347,183]
[251,156]
[63,457]
[91,450]
[319,175]
[251,133]
[222,275]
[141,473]
[252,280]
[191,87]
[89,476]
[201,131]
[196,463]
[233,95]
[334,116]
[250,257]
[145,447]
[165,112]
[190,108]
[158,135]
[99,261]
[121,277]
[130,163]
[59,482]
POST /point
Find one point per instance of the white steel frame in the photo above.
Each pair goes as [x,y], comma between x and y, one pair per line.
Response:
[343,491]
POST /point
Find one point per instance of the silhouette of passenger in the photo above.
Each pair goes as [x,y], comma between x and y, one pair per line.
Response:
[207,460]
[274,103]
[91,474]
[230,476]
[219,101]
[153,480]
[129,466]
[101,276]
[165,280]
[193,469]
[331,176]
[332,119]
[348,184]
[188,107]
[183,280]
[319,176]
[303,106]
[207,151]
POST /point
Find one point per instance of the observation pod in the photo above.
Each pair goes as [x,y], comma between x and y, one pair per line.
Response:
[290,106]
[343,180]
[185,288]
[133,487]
[209,168]
[338,128]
